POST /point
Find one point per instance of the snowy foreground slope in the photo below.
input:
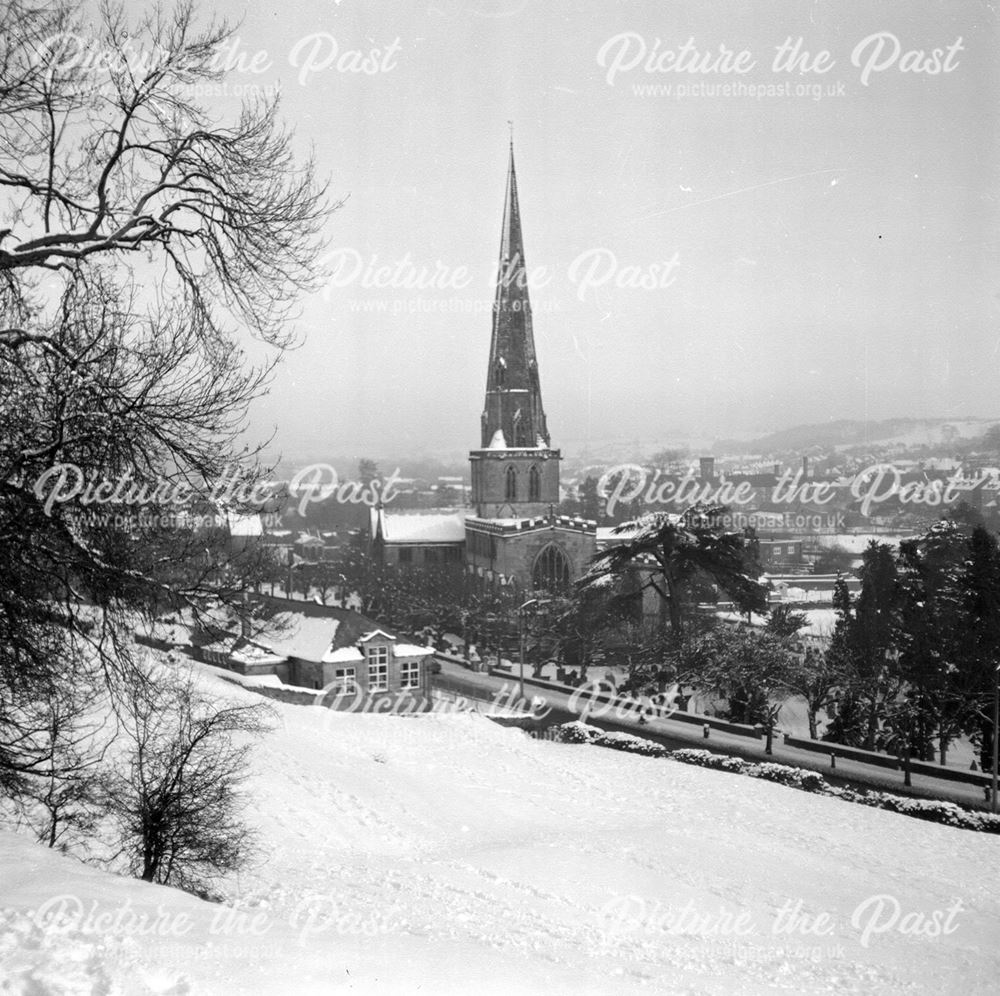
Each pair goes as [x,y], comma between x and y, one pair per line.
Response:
[445,854]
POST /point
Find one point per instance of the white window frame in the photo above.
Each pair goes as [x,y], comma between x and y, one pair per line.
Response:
[378,669]
[409,674]
[345,680]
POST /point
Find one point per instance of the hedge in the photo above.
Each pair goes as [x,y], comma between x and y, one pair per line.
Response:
[936,811]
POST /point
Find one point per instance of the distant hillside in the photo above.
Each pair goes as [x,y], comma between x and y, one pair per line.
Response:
[854,432]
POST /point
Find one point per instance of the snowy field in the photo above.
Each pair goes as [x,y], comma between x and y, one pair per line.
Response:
[447,855]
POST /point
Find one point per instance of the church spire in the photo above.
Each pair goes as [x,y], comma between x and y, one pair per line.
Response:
[513,416]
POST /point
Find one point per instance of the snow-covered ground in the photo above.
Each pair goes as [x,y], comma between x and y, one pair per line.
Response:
[445,854]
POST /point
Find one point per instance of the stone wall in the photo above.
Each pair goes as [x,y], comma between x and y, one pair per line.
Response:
[489,482]
[516,552]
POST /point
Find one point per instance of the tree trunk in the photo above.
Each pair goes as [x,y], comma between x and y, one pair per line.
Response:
[986,744]
[673,604]
[811,714]
[873,712]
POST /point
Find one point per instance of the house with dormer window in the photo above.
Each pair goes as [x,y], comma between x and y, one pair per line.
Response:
[345,655]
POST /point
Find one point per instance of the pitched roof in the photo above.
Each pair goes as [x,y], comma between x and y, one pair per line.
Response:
[422,527]
[309,631]
[326,633]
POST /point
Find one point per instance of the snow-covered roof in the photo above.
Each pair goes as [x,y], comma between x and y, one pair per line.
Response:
[222,646]
[422,527]
[343,655]
[255,653]
[244,524]
[306,540]
[606,535]
[498,442]
[312,631]
[819,622]
[855,542]
[410,650]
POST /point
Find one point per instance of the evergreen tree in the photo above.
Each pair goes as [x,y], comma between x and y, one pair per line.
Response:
[784,623]
[847,720]
[933,635]
[863,649]
[873,640]
[981,582]
[672,555]
[746,667]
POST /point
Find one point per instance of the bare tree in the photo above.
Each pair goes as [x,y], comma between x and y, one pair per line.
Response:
[178,806]
[141,244]
[62,746]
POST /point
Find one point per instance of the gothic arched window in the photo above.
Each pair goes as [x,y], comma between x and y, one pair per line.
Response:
[520,432]
[510,484]
[552,569]
[534,484]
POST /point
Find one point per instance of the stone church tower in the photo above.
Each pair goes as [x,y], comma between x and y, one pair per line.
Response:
[515,473]
[515,537]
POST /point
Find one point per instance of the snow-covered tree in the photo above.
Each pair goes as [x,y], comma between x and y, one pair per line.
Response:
[143,242]
[672,555]
[178,804]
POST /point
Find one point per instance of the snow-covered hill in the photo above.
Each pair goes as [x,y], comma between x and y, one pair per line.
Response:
[444,854]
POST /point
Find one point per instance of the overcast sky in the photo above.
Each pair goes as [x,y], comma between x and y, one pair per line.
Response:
[803,259]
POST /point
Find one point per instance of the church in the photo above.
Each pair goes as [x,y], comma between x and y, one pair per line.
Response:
[514,535]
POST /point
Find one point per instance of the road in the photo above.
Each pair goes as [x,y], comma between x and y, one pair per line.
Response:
[677,734]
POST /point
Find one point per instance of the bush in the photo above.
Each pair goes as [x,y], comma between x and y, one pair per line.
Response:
[706,759]
[934,810]
[577,733]
[631,744]
[800,778]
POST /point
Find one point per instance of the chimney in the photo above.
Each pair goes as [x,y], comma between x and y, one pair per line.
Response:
[707,468]
[777,470]
[805,467]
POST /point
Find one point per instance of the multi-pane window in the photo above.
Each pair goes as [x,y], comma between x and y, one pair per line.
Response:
[345,681]
[409,674]
[378,669]
[551,569]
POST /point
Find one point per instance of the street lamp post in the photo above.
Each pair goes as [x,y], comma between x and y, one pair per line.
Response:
[520,639]
[520,633]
